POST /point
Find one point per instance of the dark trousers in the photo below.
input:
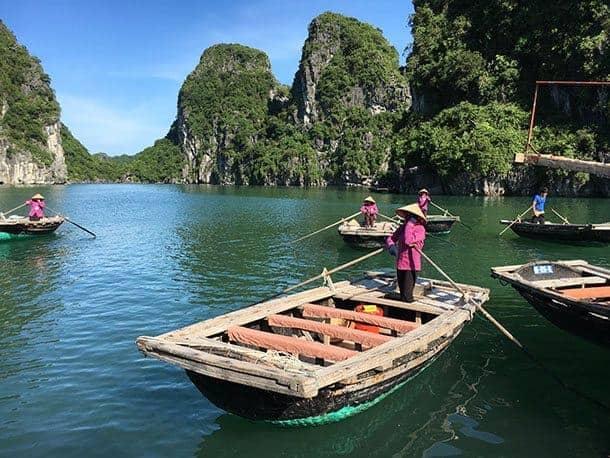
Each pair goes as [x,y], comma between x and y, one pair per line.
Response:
[406,283]
[369,220]
[35,218]
[538,219]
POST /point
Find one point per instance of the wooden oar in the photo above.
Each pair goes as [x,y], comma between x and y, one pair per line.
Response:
[467,298]
[12,210]
[565,220]
[449,214]
[72,222]
[327,227]
[388,218]
[516,219]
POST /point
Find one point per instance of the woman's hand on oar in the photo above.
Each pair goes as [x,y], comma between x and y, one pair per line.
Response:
[342,220]
[72,222]
[516,219]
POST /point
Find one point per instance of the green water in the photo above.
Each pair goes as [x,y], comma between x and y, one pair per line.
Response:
[73,384]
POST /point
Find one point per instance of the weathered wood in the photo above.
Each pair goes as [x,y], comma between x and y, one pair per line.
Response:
[566,163]
[392,350]
[599,292]
[378,299]
[557,283]
[338,332]
[264,377]
[288,344]
[318,311]
[248,315]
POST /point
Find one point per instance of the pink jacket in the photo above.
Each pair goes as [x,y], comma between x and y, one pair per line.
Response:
[423,201]
[36,207]
[407,234]
[369,209]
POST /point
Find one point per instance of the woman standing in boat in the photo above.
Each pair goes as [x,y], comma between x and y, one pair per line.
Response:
[369,210]
[37,205]
[538,206]
[405,243]
[423,200]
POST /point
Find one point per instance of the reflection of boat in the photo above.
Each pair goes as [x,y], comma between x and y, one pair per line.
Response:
[573,295]
[356,234]
[285,361]
[555,232]
[24,226]
[440,223]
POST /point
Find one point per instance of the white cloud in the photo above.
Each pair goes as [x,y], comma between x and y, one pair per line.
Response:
[110,129]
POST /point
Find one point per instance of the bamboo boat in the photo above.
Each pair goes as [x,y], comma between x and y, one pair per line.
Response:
[356,234]
[304,359]
[573,295]
[16,225]
[566,233]
[441,223]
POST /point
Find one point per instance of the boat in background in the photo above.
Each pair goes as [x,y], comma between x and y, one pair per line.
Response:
[573,295]
[21,225]
[320,355]
[441,223]
[356,234]
[561,232]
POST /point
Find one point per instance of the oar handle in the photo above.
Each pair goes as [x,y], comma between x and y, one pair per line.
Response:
[515,220]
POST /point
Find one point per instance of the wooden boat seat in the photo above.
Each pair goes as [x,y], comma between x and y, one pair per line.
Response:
[368,339]
[287,344]
[600,292]
[320,311]
[557,283]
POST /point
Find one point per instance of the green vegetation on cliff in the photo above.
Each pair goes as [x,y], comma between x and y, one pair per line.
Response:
[27,102]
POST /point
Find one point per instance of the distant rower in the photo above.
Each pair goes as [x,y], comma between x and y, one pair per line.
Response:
[37,205]
[423,200]
[538,206]
[369,210]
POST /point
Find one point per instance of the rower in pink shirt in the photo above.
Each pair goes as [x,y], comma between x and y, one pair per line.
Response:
[423,200]
[410,235]
[369,210]
[37,205]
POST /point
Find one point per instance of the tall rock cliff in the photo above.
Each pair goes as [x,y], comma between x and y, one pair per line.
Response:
[30,131]
[347,64]
[222,107]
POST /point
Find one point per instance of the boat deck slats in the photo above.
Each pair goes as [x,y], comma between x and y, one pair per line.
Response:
[368,339]
[600,292]
[287,344]
[559,282]
[319,311]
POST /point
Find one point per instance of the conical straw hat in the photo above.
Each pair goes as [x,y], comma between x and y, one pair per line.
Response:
[37,196]
[369,199]
[423,190]
[412,209]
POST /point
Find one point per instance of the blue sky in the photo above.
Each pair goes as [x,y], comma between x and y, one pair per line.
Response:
[117,66]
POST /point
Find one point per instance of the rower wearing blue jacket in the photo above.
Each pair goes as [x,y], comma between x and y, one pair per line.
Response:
[538,206]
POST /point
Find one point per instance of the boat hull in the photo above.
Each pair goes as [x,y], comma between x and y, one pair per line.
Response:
[571,317]
[26,227]
[332,404]
[562,233]
[437,224]
[365,241]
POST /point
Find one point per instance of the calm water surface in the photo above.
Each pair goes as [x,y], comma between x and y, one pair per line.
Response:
[72,382]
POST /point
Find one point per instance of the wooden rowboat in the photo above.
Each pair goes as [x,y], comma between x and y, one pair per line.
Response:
[555,232]
[573,295]
[441,223]
[23,225]
[354,233]
[302,359]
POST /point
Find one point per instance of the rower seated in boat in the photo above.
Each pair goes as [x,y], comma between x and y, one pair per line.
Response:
[538,206]
[423,200]
[369,210]
[405,243]
[37,204]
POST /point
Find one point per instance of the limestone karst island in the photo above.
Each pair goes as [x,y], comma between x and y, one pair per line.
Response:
[319,228]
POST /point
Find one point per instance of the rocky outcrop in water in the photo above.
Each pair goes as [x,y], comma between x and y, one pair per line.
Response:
[30,140]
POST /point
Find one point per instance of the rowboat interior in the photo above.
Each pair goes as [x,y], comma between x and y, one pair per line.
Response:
[337,346]
[575,280]
[357,227]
